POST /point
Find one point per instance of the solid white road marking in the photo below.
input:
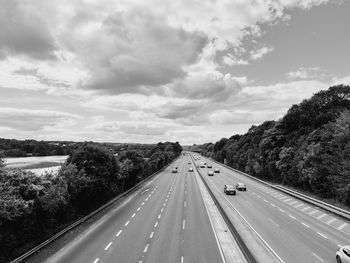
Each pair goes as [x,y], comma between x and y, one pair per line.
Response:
[133,215]
[146,248]
[96,260]
[342,226]
[331,221]
[319,217]
[318,257]
[322,235]
[107,247]
[151,235]
[305,224]
[120,231]
[156,224]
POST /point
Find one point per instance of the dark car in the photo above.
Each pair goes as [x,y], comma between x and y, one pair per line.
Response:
[241,187]
[229,189]
[210,173]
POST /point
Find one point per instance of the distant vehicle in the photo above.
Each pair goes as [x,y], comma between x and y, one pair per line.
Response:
[205,163]
[209,165]
[202,165]
[241,187]
[229,189]
[174,170]
[343,254]
[191,169]
[189,162]
[210,173]
[175,167]
[216,170]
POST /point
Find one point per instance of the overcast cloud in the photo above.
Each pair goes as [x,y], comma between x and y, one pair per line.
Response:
[155,70]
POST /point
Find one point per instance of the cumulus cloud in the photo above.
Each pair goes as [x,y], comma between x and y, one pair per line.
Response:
[259,53]
[24,31]
[308,73]
[32,120]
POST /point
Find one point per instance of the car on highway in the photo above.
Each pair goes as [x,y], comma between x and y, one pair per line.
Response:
[229,189]
[209,165]
[343,254]
[216,170]
[241,187]
[174,170]
[189,162]
[202,165]
[210,173]
[190,169]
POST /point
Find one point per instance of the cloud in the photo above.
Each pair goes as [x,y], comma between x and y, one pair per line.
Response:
[33,120]
[259,53]
[24,31]
[309,73]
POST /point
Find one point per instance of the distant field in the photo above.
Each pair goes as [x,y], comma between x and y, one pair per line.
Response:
[37,164]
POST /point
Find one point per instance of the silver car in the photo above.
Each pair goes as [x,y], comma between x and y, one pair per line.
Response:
[343,254]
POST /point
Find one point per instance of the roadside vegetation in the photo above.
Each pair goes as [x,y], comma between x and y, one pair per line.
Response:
[308,149]
[34,208]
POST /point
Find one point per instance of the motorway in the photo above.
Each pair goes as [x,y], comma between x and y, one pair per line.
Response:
[165,221]
[296,231]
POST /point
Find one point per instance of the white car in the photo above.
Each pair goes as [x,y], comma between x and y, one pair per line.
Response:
[343,254]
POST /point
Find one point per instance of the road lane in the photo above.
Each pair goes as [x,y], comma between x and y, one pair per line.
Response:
[296,235]
[153,225]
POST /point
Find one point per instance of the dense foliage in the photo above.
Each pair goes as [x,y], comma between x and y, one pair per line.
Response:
[309,148]
[33,208]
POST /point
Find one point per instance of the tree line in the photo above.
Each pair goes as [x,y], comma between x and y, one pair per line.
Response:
[33,208]
[308,149]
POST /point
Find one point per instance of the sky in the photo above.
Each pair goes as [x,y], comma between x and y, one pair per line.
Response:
[163,70]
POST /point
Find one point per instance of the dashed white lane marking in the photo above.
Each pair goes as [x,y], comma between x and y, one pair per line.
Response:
[161,210]
[96,260]
[305,224]
[143,203]
[331,221]
[272,205]
[183,224]
[182,259]
[292,203]
[313,212]
[146,248]
[127,223]
[322,235]
[107,247]
[292,217]
[133,215]
[298,205]
[273,222]
[151,235]
[277,195]
[159,216]
[146,199]
[266,201]
[138,209]
[318,257]
[120,231]
[287,200]
[281,210]
[281,198]
[185,204]
[319,217]
[156,224]
[305,208]
[164,204]
[342,226]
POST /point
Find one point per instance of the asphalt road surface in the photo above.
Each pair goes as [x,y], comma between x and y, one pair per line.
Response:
[295,230]
[165,221]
